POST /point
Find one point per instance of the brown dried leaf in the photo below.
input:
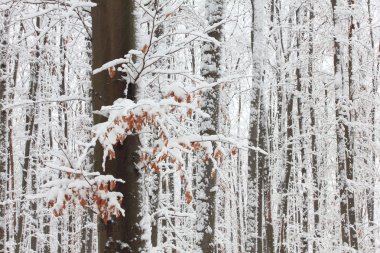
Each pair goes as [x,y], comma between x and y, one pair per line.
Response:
[111,72]
[234,151]
[51,203]
[105,217]
[144,49]
[131,122]
[155,168]
[188,197]
[190,113]
[83,202]
[113,185]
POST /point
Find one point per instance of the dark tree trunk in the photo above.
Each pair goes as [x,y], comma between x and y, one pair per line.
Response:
[254,242]
[304,214]
[260,236]
[11,161]
[288,168]
[62,90]
[340,132]
[113,36]
[370,191]
[344,140]
[30,125]
[3,122]
[350,139]
[314,161]
[211,59]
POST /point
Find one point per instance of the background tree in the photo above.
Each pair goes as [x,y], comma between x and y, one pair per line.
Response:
[210,70]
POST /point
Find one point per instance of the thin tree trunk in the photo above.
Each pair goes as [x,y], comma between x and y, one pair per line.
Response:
[288,169]
[62,123]
[304,215]
[341,129]
[11,163]
[211,72]
[344,145]
[239,193]
[314,161]
[259,178]
[285,112]
[30,127]
[62,89]
[370,191]
[3,122]
[253,241]
[350,139]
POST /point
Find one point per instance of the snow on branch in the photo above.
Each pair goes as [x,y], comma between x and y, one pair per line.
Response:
[138,63]
[59,99]
[108,65]
[82,188]
[171,120]
[77,189]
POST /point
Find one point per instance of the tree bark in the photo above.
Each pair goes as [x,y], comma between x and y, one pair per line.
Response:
[27,172]
[304,214]
[314,161]
[3,122]
[370,192]
[288,168]
[211,60]
[350,137]
[344,141]
[259,178]
[113,36]
[254,208]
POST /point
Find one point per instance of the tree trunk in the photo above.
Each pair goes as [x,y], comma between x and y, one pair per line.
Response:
[314,161]
[254,209]
[350,138]
[11,155]
[3,122]
[371,189]
[304,215]
[113,36]
[344,141]
[285,184]
[341,129]
[211,59]
[27,173]
[259,179]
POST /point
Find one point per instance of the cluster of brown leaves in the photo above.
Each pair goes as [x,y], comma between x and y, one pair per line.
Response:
[91,196]
[151,158]
[106,210]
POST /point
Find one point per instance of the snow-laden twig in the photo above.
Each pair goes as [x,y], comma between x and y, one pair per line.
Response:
[59,99]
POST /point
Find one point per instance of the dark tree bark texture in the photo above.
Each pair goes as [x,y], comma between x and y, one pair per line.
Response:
[113,36]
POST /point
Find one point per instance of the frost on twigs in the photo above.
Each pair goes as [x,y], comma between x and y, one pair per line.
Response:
[168,122]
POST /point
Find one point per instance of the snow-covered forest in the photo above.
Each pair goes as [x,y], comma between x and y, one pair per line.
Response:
[215,126]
